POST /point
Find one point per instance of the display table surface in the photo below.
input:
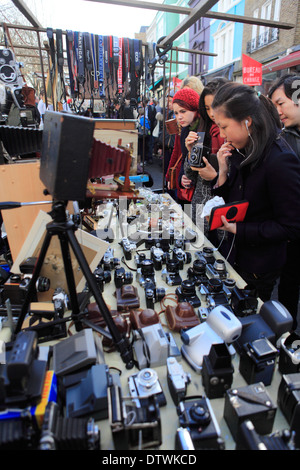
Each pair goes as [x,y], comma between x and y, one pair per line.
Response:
[169,417]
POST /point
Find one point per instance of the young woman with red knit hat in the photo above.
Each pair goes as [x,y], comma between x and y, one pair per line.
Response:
[186,110]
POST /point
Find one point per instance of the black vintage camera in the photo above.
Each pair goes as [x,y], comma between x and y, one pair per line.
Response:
[197,272]
[171,273]
[145,272]
[217,371]
[206,255]
[109,262]
[243,302]
[183,257]
[16,287]
[197,414]
[102,277]
[159,257]
[187,293]
[197,151]
[153,294]
[122,277]
[216,293]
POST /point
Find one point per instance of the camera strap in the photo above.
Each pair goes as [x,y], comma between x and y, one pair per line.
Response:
[101,65]
[80,57]
[120,67]
[95,57]
[72,64]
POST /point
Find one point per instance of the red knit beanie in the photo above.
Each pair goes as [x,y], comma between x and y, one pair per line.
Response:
[188,96]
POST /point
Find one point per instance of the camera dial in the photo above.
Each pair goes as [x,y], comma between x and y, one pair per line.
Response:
[200,414]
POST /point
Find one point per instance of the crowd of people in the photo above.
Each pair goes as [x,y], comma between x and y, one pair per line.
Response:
[251,152]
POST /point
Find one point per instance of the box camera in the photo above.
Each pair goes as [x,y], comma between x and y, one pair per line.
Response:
[180,317]
[196,414]
[221,326]
[257,361]
[152,346]
[217,371]
[197,151]
[187,293]
[253,403]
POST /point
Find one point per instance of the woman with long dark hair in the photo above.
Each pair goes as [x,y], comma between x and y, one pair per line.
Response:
[264,171]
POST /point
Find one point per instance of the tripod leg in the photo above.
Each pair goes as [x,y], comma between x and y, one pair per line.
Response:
[32,284]
[121,342]
[69,277]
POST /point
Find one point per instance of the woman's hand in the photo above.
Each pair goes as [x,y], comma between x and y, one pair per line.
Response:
[228,226]
[190,140]
[224,152]
[208,173]
[186,182]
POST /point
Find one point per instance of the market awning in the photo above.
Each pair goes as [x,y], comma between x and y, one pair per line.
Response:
[283,63]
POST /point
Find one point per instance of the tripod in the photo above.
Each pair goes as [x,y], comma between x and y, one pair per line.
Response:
[65,230]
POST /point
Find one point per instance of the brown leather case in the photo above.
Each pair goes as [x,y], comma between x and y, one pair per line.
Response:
[181,316]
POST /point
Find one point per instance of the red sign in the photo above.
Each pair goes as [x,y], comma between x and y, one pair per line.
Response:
[252,71]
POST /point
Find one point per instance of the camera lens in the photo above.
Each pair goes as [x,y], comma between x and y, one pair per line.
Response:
[188,287]
[215,285]
[172,266]
[43,284]
[199,267]
[200,414]
[147,379]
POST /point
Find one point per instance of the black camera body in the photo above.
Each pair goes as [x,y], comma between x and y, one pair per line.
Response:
[171,273]
[153,294]
[122,277]
[206,255]
[243,302]
[249,439]
[289,402]
[102,277]
[217,269]
[197,152]
[183,257]
[216,293]
[217,371]
[109,261]
[197,272]
[187,293]
[146,272]
[128,248]
[257,361]
[196,414]
[159,257]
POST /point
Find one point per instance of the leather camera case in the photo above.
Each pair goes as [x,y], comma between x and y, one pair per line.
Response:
[181,316]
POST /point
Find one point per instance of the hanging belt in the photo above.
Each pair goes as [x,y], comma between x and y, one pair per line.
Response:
[95,52]
[120,67]
[72,63]
[80,58]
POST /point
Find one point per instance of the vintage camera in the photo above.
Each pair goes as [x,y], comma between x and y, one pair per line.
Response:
[182,257]
[170,274]
[146,383]
[153,294]
[152,346]
[145,272]
[23,374]
[196,414]
[217,371]
[216,293]
[138,259]
[187,293]
[178,380]
[61,302]
[128,248]
[61,433]
[289,402]
[181,316]
[257,361]
[159,257]
[122,277]
[16,287]
[197,272]
[221,326]
[249,439]
[217,269]
[243,301]
[135,425]
[102,277]
[206,255]
[109,262]
[289,356]
[197,151]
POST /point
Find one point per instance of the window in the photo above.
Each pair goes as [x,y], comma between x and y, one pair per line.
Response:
[223,45]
